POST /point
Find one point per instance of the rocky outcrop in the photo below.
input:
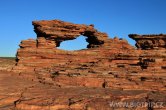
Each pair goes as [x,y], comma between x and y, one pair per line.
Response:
[110,74]
[43,53]
[149,41]
[59,31]
[107,63]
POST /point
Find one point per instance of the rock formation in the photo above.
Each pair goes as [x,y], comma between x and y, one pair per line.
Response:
[59,31]
[149,41]
[107,63]
[43,52]
[109,70]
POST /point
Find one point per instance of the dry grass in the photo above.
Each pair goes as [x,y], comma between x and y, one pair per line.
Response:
[6,63]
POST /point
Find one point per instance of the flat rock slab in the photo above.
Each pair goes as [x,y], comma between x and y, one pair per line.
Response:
[20,93]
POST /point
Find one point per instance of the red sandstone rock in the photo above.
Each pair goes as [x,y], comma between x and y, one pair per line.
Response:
[59,31]
[22,93]
[104,64]
[149,41]
[100,66]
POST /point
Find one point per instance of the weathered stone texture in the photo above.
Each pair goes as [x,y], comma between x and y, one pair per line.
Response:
[108,71]
[149,41]
[59,31]
[19,93]
[107,63]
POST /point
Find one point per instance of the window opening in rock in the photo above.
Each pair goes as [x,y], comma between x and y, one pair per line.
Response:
[77,44]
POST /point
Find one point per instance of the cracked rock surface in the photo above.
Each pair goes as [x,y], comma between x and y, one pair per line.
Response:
[108,73]
[19,92]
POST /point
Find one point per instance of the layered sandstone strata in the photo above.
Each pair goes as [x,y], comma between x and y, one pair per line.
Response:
[59,31]
[107,63]
[149,41]
[108,71]
[19,93]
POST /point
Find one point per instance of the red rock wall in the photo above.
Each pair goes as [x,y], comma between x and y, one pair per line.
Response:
[106,63]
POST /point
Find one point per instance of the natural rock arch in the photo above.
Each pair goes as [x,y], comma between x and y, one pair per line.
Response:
[114,64]
[58,31]
[41,54]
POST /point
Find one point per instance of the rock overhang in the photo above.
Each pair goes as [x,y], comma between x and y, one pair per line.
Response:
[153,41]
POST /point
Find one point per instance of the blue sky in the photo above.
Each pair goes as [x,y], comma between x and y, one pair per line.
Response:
[115,17]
